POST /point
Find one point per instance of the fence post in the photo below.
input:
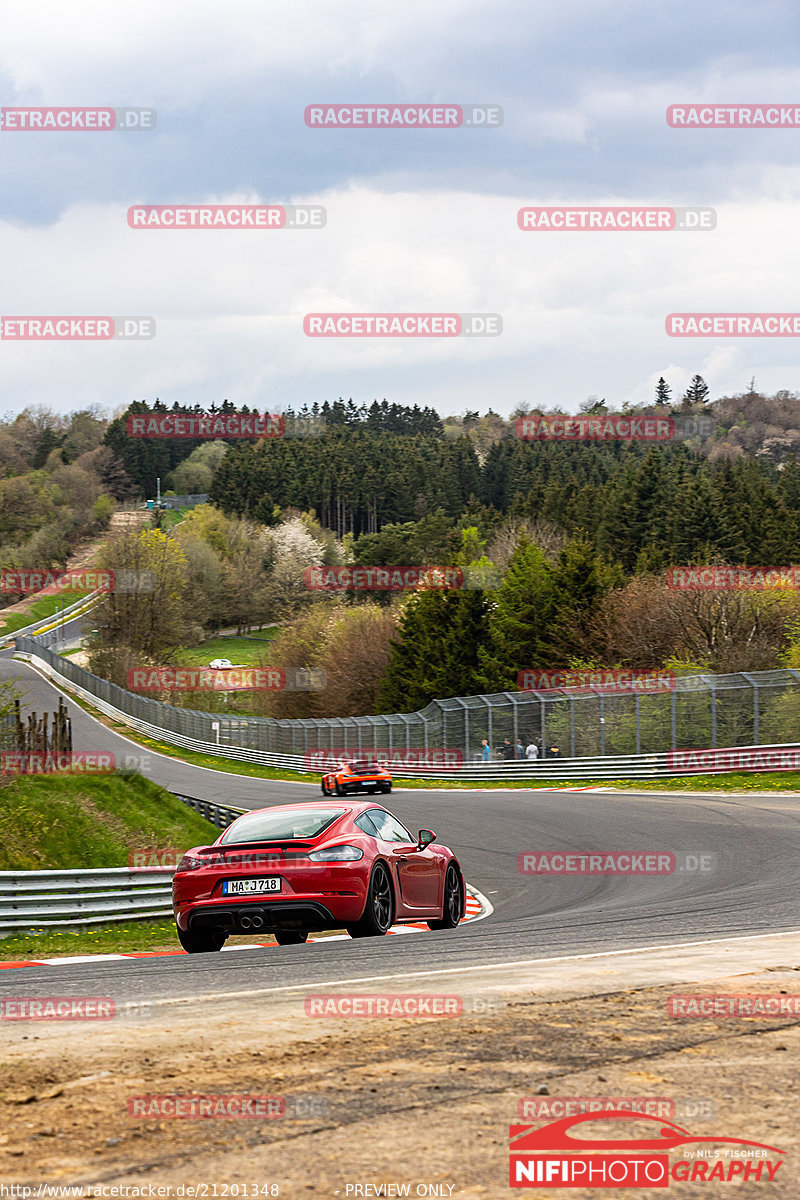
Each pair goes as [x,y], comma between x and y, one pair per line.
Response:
[466,728]
[638,727]
[754,685]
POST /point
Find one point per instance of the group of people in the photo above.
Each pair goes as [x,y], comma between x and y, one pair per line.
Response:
[510,751]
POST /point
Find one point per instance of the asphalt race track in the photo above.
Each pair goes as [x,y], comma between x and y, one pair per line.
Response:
[752,889]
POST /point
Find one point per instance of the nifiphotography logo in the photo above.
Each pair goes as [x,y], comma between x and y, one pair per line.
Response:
[558,1156]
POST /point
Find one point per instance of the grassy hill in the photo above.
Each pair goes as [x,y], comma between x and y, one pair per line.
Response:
[65,822]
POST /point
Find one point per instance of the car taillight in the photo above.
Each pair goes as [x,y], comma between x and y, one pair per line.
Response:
[188,863]
[337,854]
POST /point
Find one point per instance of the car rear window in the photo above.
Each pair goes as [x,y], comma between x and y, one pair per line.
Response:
[281,826]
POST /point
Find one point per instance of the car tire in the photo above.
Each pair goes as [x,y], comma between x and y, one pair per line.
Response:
[325,790]
[201,941]
[453,901]
[337,787]
[290,937]
[378,915]
[387,787]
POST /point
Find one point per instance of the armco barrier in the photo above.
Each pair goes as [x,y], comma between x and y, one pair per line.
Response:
[42,899]
[220,815]
[91,897]
[53,622]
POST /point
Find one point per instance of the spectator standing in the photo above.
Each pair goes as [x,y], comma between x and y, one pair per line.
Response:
[532,751]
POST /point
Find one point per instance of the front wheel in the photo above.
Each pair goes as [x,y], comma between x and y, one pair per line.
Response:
[453,902]
[325,789]
[201,941]
[378,915]
[291,937]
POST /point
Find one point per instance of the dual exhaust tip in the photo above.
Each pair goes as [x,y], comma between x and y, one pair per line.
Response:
[254,922]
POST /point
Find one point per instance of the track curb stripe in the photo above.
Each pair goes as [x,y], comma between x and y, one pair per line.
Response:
[477,907]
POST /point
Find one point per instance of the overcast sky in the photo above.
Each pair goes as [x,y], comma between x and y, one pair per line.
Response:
[417,220]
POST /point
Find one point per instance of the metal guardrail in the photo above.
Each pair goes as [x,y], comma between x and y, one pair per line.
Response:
[94,896]
[53,622]
[220,815]
[43,899]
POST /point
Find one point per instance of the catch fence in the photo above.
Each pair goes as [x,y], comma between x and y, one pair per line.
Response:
[714,711]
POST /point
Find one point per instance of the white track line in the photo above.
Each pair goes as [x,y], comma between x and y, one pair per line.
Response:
[426,974]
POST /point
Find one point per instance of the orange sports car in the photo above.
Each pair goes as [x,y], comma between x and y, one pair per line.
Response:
[356,777]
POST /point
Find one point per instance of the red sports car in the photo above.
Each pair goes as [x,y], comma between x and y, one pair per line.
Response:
[356,777]
[302,867]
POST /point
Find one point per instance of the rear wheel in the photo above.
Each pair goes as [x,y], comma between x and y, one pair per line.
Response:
[291,937]
[379,910]
[453,901]
[325,789]
[387,787]
[337,787]
[201,941]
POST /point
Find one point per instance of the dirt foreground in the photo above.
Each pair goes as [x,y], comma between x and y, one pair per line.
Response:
[369,1107]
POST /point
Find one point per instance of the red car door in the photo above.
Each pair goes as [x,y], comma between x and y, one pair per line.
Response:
[419,872]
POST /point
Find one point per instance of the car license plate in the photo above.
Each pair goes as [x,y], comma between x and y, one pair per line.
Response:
[251,887]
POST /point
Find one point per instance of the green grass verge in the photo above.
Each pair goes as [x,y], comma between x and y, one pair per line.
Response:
[48,606]
[61,822]
[239,650]
[783,781]
[125,938]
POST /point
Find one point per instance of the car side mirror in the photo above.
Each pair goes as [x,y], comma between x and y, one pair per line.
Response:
[426,836]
